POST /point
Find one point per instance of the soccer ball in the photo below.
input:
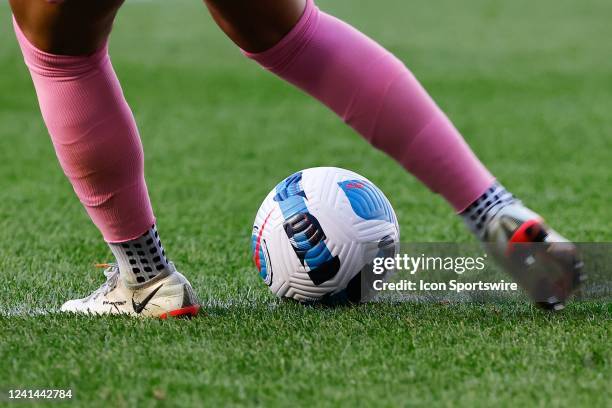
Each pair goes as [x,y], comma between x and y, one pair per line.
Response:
[318,230]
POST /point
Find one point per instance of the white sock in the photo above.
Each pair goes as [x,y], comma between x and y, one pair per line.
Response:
[141,259]
[484,208]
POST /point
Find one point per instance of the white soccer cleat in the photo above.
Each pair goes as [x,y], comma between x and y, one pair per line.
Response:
[167,295]
[542,261]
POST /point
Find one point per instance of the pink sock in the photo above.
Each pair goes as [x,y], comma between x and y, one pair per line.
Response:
[95,137]
[380,98]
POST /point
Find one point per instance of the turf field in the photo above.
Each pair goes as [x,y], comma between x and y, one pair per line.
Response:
[528,83]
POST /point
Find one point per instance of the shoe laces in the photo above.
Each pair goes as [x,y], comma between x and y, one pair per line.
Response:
[111,272]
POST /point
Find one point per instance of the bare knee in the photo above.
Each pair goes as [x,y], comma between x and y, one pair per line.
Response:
[256,25]
[68,27]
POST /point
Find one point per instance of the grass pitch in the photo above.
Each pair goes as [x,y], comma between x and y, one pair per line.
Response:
[528,83]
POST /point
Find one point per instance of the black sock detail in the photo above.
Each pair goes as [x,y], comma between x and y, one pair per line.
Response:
[484,208]
[141,259]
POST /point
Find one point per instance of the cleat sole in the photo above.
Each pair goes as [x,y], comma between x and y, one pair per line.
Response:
[189,311]
[550,273]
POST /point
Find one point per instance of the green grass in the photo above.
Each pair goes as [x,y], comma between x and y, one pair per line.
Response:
[528,83]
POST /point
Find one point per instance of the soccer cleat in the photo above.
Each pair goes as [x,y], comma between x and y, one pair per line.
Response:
[167,295]
[545,264]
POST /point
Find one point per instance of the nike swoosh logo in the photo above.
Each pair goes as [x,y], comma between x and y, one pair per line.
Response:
[139,307]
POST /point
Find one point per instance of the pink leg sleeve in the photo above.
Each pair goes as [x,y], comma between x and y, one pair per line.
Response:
[380,98]
[95,137]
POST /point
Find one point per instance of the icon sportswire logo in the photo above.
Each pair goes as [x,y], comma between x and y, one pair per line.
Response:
[139,307]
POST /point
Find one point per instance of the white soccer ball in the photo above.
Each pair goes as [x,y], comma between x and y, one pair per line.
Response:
[317,230]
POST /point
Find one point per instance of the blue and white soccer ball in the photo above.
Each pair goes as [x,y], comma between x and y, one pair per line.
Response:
[317,230]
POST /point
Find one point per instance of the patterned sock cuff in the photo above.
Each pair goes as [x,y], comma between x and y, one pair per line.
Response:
[484,208]
[141,259]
